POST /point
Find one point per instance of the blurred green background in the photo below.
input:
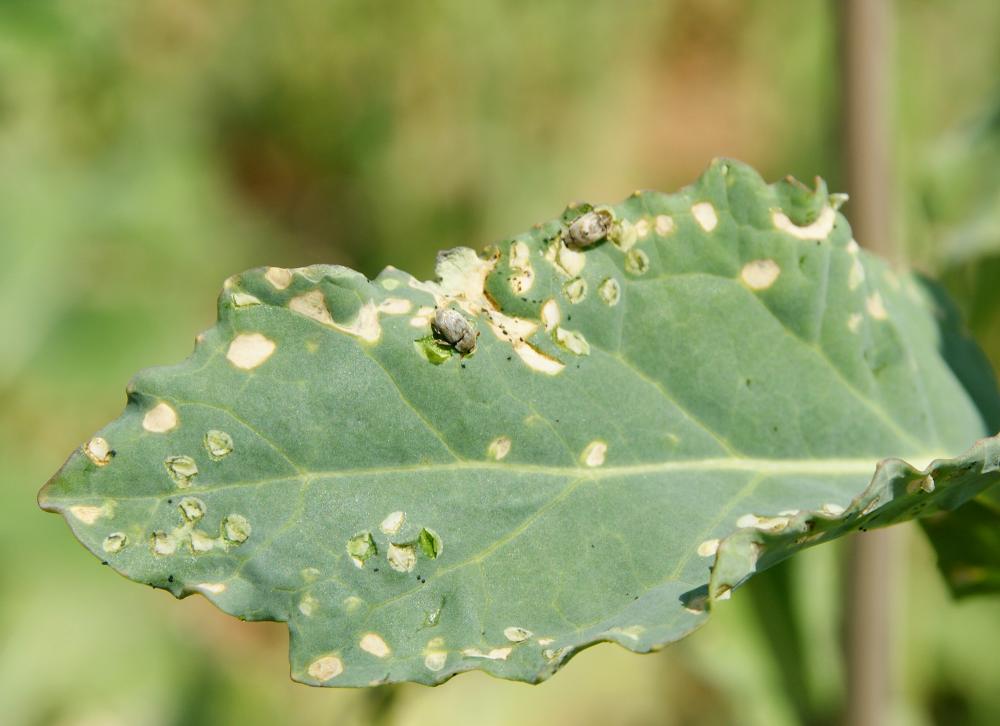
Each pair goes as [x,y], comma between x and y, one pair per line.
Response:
[150,149]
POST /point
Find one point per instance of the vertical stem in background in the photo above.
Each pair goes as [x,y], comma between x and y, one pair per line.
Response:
[866,108]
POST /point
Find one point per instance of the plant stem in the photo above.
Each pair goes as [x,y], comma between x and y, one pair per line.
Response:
[865,50]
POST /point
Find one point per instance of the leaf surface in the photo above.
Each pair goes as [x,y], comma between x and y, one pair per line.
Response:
[644,422]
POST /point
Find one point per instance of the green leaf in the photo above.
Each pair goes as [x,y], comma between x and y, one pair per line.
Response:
[968,545]
[641,419]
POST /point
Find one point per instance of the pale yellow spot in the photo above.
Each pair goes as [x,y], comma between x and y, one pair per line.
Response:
[852,247]
[575,290]
[636,262]
[352,603]
[924,484]
[724,593]
[326,668]
[890,277]
[520,264]
[393,522]
[642,228]
[833,510]
[818,230]
[595,453]
[395,306]
[279,277]
[435,660]
[201,542]
[374,644]
[516,635]
[520,255]
[550,315]
[98,451]
[494,654]
[365,326]
[537,360]
[212,588]
[546,641]
[572,341]
[90,514]
[704,214]
[875,307]
[249,350]
[390,283]
[610,291]
[567,261]
[401,558]
[664,224]
[421,320]
[114,542]
[764,524]
[760,274]
[708,548]
[312,305]
[499,448]
[854,322]
[632,632]
[522,280]
[857,274]
[164,544]
[244,299]
[160,419]
[310,574]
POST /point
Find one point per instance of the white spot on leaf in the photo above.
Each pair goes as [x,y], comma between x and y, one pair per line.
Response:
[857,274]
[401,558]
[279,277]
[236,528]
[211,588]
[575,290]
[218,444]
[572,341]
[114,542]
[875,307]
[636,262]
[326,668]
[374,644]
[393,522]
[550,315]
[610,291]
[818,230]
[160,419]
[499,448]
[89,514]
[664,224]
[249,350]
[435,660]
[516,635]
[395,306]
[704,214]
[98,451]
[760,274]
[595,453]
[708,548]
[494,654]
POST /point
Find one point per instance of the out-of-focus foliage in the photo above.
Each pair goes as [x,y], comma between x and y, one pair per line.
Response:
[148,149]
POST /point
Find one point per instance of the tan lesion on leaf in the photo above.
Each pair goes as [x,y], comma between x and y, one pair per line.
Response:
[820,229]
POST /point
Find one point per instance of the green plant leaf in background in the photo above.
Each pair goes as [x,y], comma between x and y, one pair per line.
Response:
[656,400]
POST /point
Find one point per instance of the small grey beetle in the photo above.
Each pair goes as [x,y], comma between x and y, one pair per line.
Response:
[590,228]
[455,330]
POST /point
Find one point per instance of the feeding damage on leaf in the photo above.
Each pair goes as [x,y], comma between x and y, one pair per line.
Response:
[592,431]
